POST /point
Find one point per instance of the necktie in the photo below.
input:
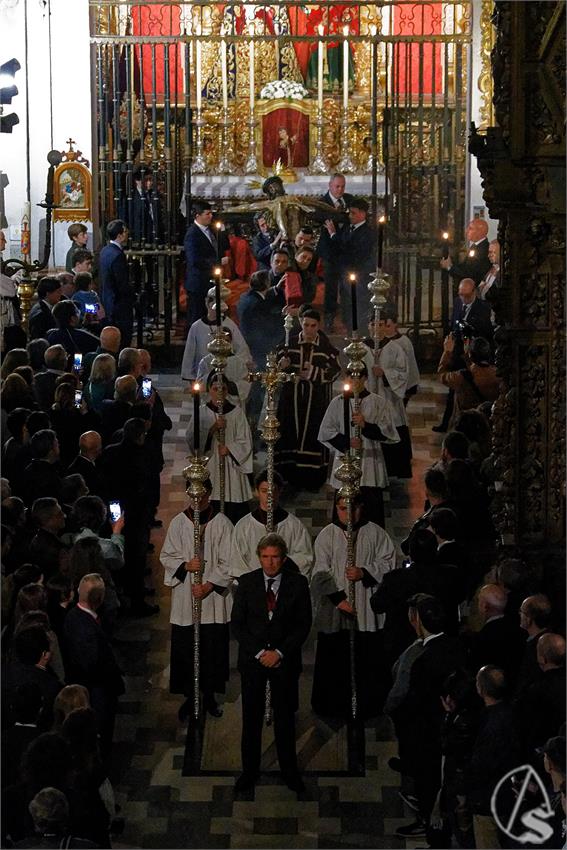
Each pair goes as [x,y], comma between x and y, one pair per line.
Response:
[270,597]
[211,237]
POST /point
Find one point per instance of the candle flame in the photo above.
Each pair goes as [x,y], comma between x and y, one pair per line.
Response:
[217,272]
[218,225]
[471,252]
[196,387]
[352,277]
[320,29]
[345,31]
[346,388]
[445,235]
[382,219]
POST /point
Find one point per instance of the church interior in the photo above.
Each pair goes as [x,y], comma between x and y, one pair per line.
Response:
[270,131]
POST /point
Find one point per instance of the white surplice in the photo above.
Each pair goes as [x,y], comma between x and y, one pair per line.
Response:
[249,531]
[393,360]
[200,333]
[235,370]
[238,463]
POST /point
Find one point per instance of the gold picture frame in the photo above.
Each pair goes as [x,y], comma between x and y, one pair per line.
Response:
[72,192]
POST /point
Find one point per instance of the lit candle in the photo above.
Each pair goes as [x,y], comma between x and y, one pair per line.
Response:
[353,300]
[196,423]
[345,69]
[445,249]
[218,228]
[381,223]
[198,71]
[251,57]
[218,273]
[320,69]
[472,252]
[224,75]
[346,411]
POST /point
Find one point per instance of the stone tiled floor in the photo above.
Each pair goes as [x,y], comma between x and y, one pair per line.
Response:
[164,809]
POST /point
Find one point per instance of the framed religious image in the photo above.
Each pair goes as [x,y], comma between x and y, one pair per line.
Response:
[72,192]
[283,131]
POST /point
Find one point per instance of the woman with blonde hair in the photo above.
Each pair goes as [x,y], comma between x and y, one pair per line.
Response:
[101,381]
[67,700]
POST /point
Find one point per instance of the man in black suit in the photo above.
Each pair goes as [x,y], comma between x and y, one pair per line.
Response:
[41,477]
[535,620]
[90,447]
[90,656]
[40,320]
[114,412]
[271,618]
[419,716]
[109,343]
[44,382]
[202,254]
[501,641]
[354,252]
[540,709]
[29,665]
[118,295]
[339,199]
[476,263]
[264,242]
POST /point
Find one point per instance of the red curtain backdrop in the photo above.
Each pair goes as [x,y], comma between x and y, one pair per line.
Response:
[156,19]
[296,124]
[418,19]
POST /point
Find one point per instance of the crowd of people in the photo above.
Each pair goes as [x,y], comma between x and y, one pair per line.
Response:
[463,651]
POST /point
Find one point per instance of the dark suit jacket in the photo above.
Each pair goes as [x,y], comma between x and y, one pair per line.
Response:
[478,317]
[113,415]
[201,257]
[324,247]
[496,751]
[90,656]
[117,294]
[145,225]
[356,251]
[422,705]
[540,710]
[500,642]
[474,267]
[90,473]
[261,324]
[17,674]
[40,478]
[45,550]
[262,250]
[44,387]
[40,320]
[287,630]
[73,339]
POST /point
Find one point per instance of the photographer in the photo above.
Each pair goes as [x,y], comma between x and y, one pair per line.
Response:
[477,381]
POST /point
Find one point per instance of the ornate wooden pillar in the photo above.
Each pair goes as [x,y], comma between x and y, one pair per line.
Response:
[522,162]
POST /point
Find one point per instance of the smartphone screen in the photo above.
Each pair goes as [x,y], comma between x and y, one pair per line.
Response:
[78,397]
[90,308]
[77,362]
[115,511]
[146,388]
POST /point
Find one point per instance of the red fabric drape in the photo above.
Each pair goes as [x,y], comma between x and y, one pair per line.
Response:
[297,126]
[156,19]
[418,19]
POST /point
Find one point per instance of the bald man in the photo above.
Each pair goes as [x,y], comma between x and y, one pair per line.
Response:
[500,641]
[476,262]
[109,344]
[90,447]
[541,708]
[492,276]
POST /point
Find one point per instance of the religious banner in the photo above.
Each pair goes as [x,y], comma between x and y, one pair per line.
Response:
[285,137]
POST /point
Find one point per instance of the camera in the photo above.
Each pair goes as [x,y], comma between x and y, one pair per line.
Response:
[115,511]
[78,362]
[464,330]
[146,388]
[78,397]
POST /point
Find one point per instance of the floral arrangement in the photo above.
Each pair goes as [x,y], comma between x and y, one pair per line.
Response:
[284,88]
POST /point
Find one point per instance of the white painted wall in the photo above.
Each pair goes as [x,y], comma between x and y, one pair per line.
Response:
[69,113]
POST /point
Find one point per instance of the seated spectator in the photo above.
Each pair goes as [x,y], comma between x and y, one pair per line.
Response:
[67,333]
[535,620]
[41,320]
[27,703]
[31,656]
[46,547]
[500,642]
[41,477]
[67,700]
[90,447]
[12,359]
[100,385]
[49,811]
[115,412]
[36,349]
[44,383]
[540,708]
[496,751]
